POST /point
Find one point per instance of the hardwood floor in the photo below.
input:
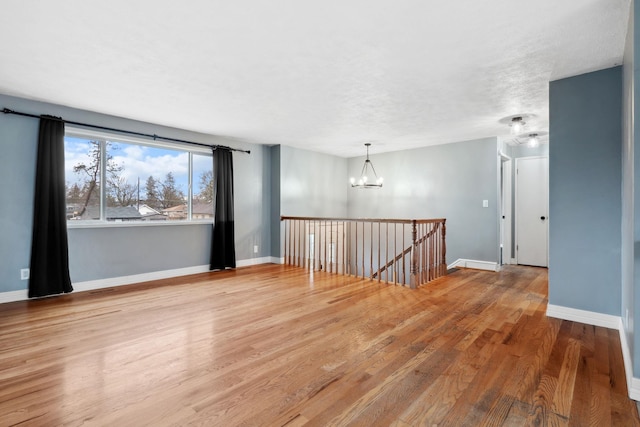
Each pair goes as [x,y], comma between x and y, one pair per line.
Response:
[271,345]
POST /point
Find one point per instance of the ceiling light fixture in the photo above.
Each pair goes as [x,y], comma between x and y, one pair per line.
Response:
[368,176]
[517,125]
[533,140]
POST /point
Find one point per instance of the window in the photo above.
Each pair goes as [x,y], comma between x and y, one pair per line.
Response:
[120,179]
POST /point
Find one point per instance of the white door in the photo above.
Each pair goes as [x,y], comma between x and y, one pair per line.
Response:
[532,210]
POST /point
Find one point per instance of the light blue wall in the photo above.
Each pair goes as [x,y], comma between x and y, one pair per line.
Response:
[635,153]
[18,137]
[100,253]
[274,203]
[312,184]
[584,194]
[444,181]
[519,151]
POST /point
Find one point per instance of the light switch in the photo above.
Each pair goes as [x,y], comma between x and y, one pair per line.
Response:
[485,203]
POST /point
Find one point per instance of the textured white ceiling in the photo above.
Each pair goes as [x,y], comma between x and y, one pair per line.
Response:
[324,75]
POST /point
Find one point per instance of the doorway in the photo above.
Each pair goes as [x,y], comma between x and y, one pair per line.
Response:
[506,252]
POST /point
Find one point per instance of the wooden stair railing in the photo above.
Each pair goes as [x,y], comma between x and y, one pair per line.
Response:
[368,248]
[407,250]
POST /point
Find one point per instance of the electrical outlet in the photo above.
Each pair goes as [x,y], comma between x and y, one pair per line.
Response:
[24,274]
[485,203]
[255,249]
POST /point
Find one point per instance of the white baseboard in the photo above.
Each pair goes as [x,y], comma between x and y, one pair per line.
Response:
[583,316]
[90,285]
[633,383]
[12,296]
[256,261]
[478,265]
[605,321]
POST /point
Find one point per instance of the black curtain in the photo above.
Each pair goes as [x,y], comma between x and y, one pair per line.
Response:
[49,247]
[223,246]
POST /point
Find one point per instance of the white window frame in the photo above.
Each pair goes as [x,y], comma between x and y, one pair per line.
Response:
[102,136]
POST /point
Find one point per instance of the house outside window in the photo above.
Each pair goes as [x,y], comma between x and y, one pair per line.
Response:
[110,178]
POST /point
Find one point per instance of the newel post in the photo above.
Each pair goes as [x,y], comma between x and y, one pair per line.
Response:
[414,256]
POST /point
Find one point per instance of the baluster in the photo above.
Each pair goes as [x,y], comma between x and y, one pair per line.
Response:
[323,244]
[404,266]
[439,263]
[320,267]
[356,259]
[436,253]
[305,245]
[317,246]
[421,253]
[297,243]
[386,253]
[423,259]
[363,248]
[346,235]
[319,239]
[319,251]
[286,247]
[437,242]
[429,253]
[312,247]
[300,244]
[330,242]
[413,269]
[379,244]
[350,247]
[426,253]
[431,230]
[433,255]
[371,250]
[344,248]
[299,252]
[336,250]
[395,253]
[294,253]
[291,224]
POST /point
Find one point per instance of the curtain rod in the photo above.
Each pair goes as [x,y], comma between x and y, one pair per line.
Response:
[148,135]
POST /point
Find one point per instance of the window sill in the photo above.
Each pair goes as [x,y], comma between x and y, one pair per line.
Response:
[112,224]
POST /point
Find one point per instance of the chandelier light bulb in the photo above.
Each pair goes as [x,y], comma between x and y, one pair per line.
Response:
[352,180]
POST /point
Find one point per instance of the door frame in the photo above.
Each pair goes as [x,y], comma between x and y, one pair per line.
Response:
[506,209]
[516,204]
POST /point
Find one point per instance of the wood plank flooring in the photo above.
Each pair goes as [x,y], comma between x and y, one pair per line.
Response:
[274,346]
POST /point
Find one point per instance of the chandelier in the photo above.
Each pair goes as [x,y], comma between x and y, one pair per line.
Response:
[368,176]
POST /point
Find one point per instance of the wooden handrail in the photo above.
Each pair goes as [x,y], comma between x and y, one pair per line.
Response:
[390,221]
[360,247]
